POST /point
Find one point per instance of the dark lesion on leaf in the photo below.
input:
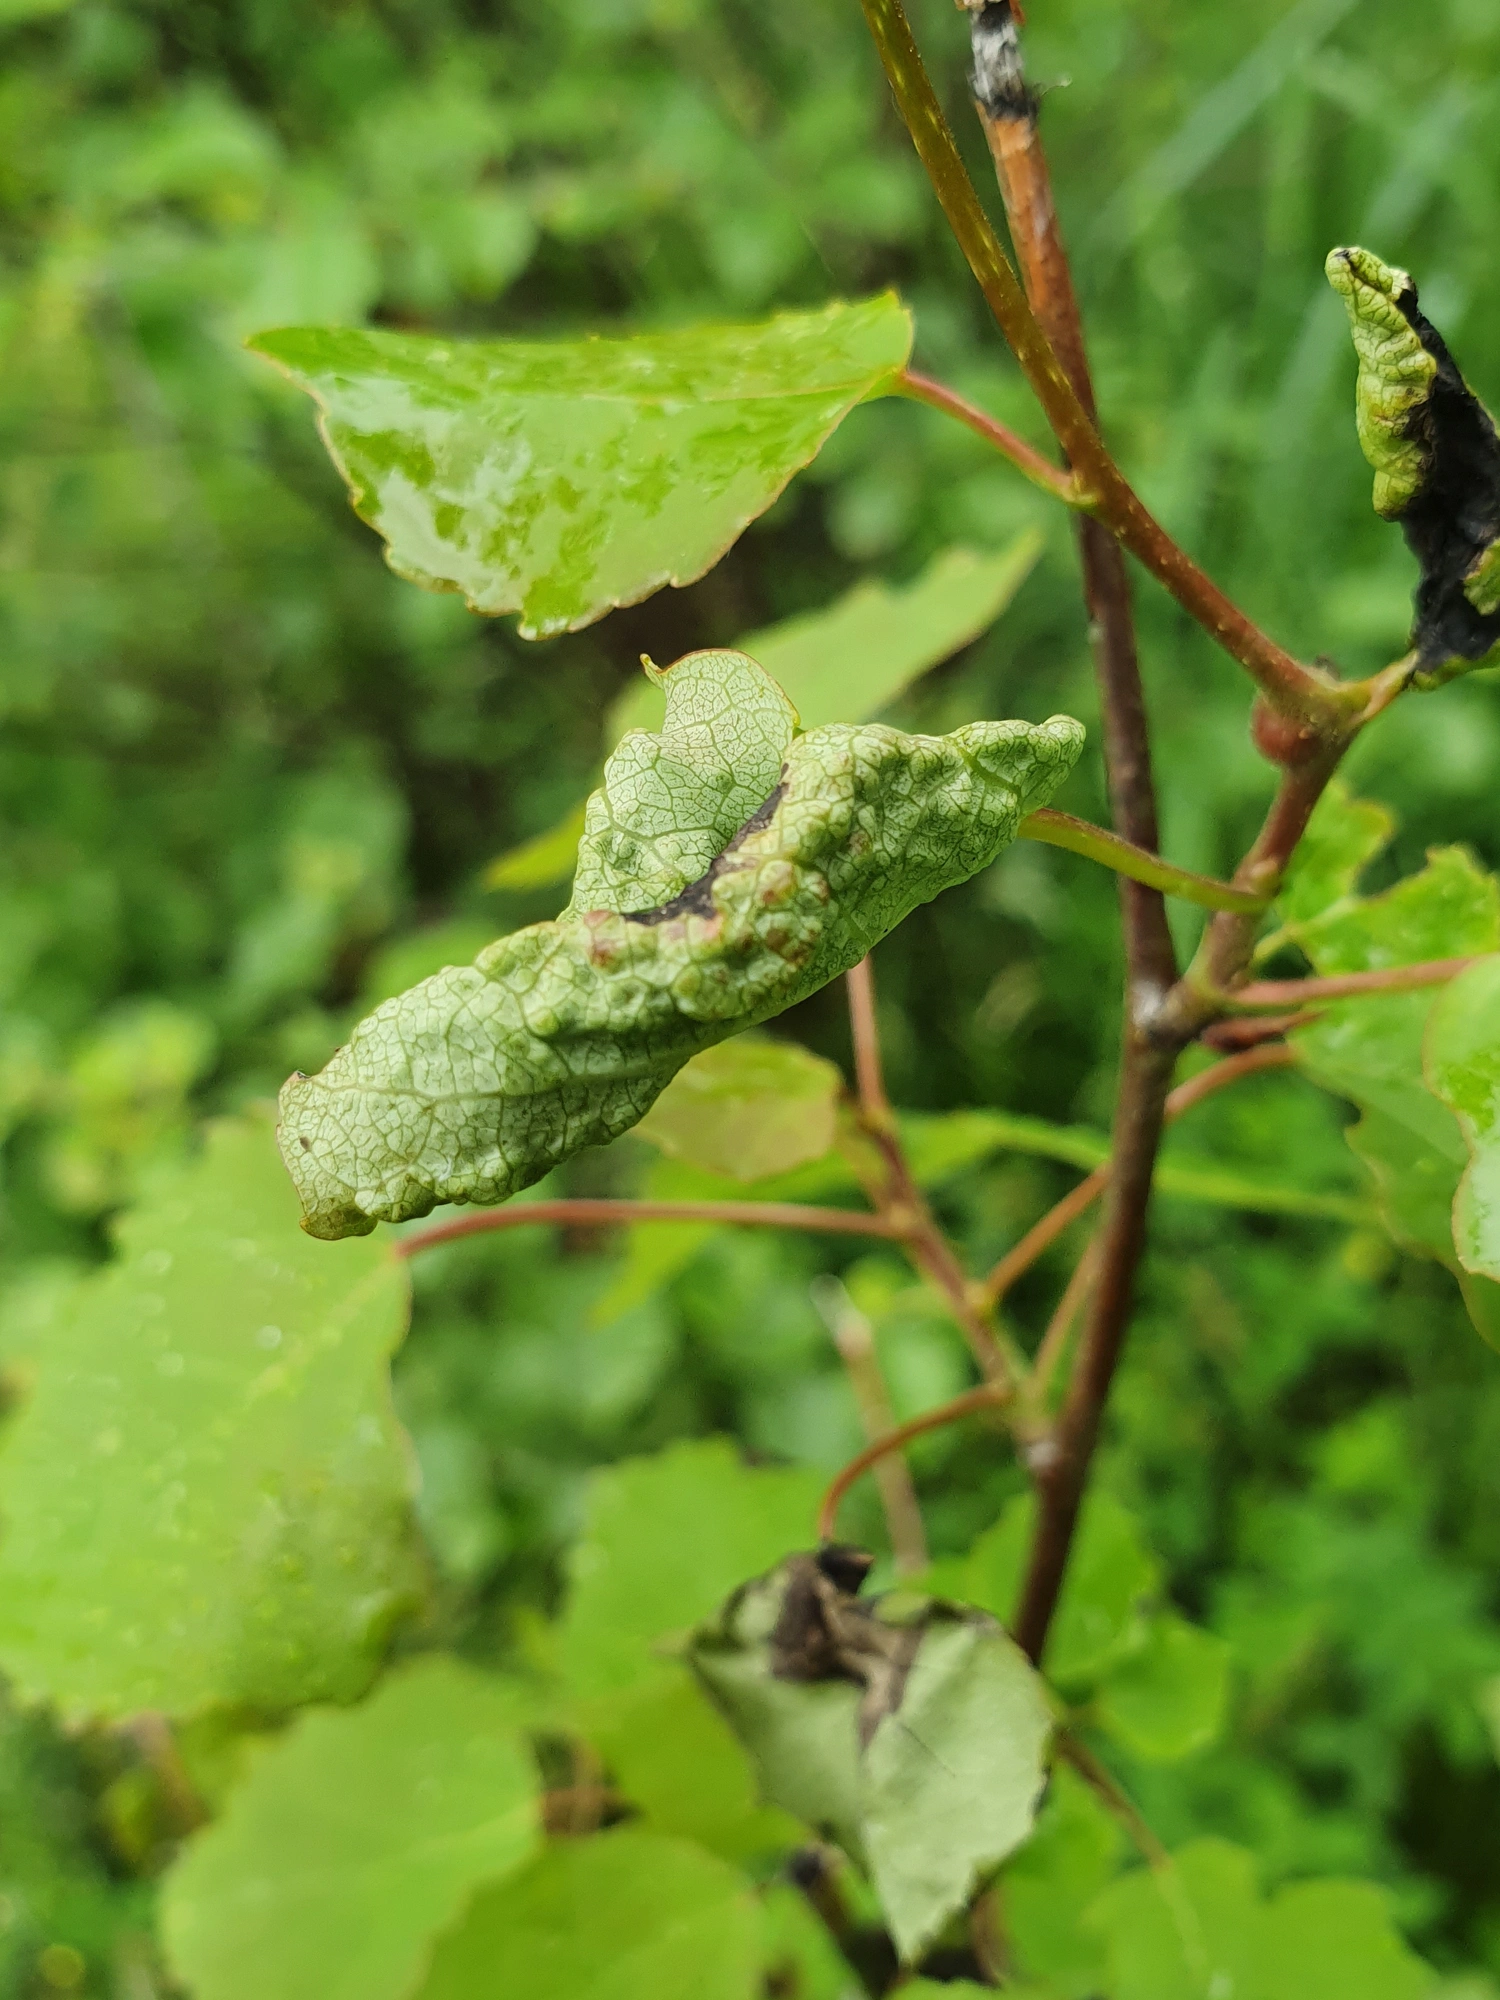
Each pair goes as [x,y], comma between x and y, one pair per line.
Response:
[697,900]
[824,1633]
[1455,516]
[998,78]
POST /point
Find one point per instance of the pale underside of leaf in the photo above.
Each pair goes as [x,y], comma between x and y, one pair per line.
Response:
[483,1078]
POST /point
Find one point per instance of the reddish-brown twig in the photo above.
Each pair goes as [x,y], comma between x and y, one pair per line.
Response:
[990,1395]
[1025,457]
[1350,985]
[603,1213]
[854,1338]
[1043,1234]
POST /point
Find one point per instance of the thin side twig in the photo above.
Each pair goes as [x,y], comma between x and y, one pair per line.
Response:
[1274,993]
[605,1212]
[1060,1326]
[1043,1234]
[1103,1782]
[1025,457]
[988,1396]
[854,1338]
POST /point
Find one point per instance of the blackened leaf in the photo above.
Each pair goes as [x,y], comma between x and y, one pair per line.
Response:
[1436,458]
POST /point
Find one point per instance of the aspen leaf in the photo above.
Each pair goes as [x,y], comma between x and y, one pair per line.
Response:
[242,1535]
[353,1840]
[562,478]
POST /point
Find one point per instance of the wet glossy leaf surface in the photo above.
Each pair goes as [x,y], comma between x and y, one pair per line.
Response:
[559,479]
[354,1840]
[238,1429]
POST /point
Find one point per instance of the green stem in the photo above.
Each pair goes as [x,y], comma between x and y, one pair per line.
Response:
[1080,836]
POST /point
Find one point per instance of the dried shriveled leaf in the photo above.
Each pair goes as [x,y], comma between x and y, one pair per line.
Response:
[561,478]
[481,1079]
[353,1841]
[910,1730]
[1436,458]
[205,1497]
[623,1916]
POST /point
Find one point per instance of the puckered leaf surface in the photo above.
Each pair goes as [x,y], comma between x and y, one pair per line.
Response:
[562,478]
[482,1078]
[353,1841]
[205,1496]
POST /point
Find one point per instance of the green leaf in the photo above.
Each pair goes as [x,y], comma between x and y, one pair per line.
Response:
[910,1730]
[560,479]
[206,1495]
[353,1841]
[671,1754]
[1343,837]
[1073,1853]
[1167,1700]
[1370,1050]
[844,664]
[749,1108]
[623,1916]
[671,803]
[801,1959]
[546,858]
[1463,1067]
[480,1080]
[1198,1930]
[952,1779]
[663,1539]
[849,661]
[1110,1573]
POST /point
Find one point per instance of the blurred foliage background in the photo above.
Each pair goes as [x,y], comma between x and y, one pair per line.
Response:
[249,781]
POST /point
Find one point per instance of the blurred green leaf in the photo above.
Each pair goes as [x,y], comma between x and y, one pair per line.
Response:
[623,1916]
[749,1108]
[354,1840]
[1074,1851]
[1463,1067]
[1110,1574]
[480,464]
[664,1539]
[242,1536]
[1168,1699]
[1370,1049]
[548,857]
[1198,1929]
[849,661]
[675,1759]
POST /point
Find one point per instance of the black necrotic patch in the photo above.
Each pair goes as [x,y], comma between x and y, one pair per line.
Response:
[1456,515]
[696,900]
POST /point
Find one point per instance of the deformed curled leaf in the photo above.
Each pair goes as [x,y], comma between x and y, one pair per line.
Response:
[1436,457]
[705,920]
[910,1730]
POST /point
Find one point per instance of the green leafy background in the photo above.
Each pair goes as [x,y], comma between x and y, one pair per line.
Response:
[251,783]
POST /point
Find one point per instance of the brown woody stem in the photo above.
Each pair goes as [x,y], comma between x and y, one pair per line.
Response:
[1276,993]
[1289,686]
